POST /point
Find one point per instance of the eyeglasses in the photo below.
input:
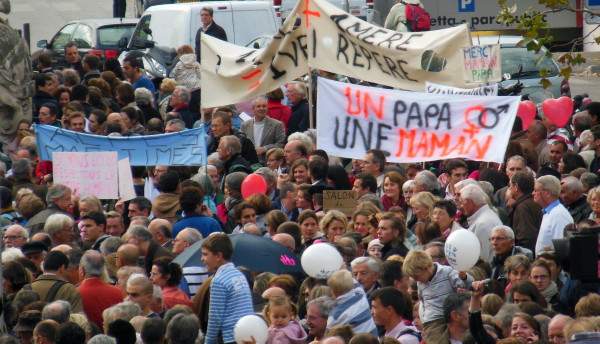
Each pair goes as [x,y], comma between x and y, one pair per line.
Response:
[492,239]
[540,277]
[12,237]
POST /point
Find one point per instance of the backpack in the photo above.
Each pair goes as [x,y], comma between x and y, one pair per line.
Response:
[411,332]
[417,19]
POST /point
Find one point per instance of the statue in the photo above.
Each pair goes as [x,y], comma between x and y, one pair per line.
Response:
[16,85]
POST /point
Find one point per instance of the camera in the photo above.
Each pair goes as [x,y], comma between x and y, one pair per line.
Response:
[578,254]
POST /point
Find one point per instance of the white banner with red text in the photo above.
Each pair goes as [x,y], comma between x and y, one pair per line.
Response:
[410,126]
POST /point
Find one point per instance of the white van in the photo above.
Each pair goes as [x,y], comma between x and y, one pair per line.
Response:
[176,24]
[362,9]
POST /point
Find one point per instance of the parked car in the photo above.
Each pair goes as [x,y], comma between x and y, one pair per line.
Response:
[94,36]
[521,65]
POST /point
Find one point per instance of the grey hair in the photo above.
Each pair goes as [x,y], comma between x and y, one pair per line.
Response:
[145,220]
[111,245]
[369,261]
[439,245]
[324,304]
[407,184]
[70,77]
[56,222]
[102,339]
[126,310]
[21,168]
[213,160]
[10,254]
[300,88]
[302,137]
[465,182]
[141,232]
[487,187]
[588,179]
[267,174]
[156,293]
[550,183]
[517,157]
[143,96]
[183,329]
[60,315]
[184,93]
[474,193]
[56,191]
[509,232]
[233,143]
[573,184]
[205,182]
[192,235]
[428,179]
[176,121]
[505,314]
[93,263]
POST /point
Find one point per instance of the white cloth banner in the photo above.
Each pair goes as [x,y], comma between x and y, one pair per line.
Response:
[491,90]
[319,35]
[410,126]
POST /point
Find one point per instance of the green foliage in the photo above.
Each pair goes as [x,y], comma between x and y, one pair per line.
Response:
[531,23]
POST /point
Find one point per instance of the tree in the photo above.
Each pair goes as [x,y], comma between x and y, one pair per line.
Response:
[532,24]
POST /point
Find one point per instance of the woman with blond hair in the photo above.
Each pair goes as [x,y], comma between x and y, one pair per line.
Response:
[333,224]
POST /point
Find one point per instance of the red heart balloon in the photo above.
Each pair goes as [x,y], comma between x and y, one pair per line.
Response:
[558,110]
[527,111]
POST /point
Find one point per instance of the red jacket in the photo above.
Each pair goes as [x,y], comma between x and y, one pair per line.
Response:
[279,112]
[96,297]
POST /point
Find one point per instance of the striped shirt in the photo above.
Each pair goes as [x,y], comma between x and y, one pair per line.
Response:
[230,300]
[445,281]
[352,308]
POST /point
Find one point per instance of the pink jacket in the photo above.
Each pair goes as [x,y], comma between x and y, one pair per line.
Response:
[293,333]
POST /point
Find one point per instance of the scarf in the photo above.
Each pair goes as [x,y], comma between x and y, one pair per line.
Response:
[550,291]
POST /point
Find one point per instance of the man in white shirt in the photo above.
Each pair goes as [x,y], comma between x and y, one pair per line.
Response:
[545,193]
[387,306]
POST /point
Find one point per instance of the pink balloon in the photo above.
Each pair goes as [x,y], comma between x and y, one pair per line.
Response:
[558,110]
[527,111]
[253,184]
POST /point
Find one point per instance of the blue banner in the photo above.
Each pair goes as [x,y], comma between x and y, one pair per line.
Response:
[182,148]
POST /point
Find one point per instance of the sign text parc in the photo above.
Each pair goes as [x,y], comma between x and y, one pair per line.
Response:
[412,126]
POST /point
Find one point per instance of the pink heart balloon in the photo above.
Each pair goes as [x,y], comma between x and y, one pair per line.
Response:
[527,111]
[558,110]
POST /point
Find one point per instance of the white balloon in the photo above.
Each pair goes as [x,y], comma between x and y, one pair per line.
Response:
[321,260]
[462,249]
[251,326]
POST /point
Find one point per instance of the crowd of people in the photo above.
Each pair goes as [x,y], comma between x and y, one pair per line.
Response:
[77,269]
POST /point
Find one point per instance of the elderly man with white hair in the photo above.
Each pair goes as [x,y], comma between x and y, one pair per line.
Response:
[503,246]
[481,218]
[365,271]
[15,236]
[571,195]
[545,193]
[426,181]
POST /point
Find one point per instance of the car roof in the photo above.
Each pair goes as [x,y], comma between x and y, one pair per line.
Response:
[97,22]
[502,40]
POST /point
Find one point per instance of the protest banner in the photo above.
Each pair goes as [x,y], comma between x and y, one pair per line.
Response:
[319,35]
[126,190]
[342,200]
[182,148]
[87,174]
[482,63]
[491,90]
[411,126]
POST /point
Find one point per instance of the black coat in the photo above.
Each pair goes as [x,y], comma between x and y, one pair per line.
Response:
[299,121]
[213,30]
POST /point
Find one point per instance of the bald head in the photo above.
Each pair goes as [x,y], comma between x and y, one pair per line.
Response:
[62,248]
[285,240]
[556,328]
[161,230]
[127,255]
[293,151]
[333,340]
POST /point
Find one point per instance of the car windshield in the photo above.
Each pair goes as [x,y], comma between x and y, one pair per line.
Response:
[110,35]
[513,58]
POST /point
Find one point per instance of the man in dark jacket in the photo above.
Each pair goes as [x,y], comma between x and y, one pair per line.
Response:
[43,87]
[525,216]
[208,27]
[299,121]
[571,194]
[180,100]
[221,126]
[229,152]
[503,246]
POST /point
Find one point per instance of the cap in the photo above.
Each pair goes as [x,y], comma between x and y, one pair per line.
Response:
[33,247]
[27,321]
[374,242]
